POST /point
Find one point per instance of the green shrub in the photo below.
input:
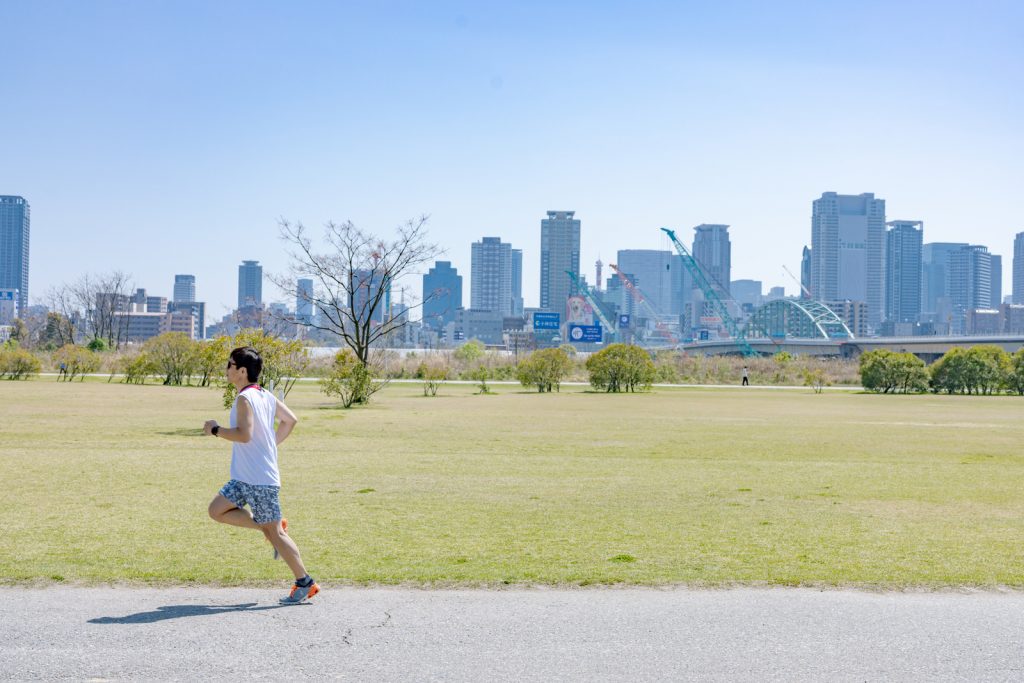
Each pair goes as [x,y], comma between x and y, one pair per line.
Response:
[174,355]
[620,368]
[979,370]
[1015,372]
[77,361]
[470,352]
[545,369]
[349,380]
[433,375]
[16,363]
[887,372]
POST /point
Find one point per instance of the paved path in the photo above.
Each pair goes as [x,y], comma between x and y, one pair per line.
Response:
[535,635]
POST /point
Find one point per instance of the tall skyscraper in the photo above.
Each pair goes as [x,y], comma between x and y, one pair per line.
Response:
[442,295]
[559,252]
[1018,268]
[250,284]
[517,282]
[747,292]
[934,266]
[847,242]
[370,291]
[713,251]
[805,274]
[491,276]
[304,300]
[184,288]
[968,283]
[652,271]
[15,216]
[997,281]
[903,271]
[682,290]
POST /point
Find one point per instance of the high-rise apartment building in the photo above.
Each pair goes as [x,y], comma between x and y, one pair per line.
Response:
[847,243]
[184,288]
[490,286]
[304,300]
[934,266]
[250,284]
[517,282]
[651,271]
[1018,268]
[15,217]
[713,251]
[997,281]
[903,271]
[559,252]
[442,295]
[968,283]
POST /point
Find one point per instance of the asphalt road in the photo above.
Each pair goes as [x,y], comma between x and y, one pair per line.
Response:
[535,635]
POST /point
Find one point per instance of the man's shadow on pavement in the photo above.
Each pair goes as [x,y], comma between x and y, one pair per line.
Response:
[178,611]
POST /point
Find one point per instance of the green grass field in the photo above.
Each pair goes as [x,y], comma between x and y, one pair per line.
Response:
[106,482]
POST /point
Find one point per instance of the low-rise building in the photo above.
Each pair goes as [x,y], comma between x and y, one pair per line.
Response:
[983,321]
[853,313]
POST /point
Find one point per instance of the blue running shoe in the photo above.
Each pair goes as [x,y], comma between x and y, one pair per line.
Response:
[300,594]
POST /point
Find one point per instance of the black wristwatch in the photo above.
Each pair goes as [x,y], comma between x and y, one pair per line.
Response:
[216,428]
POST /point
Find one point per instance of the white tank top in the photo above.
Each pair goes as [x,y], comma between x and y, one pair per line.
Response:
[256,462]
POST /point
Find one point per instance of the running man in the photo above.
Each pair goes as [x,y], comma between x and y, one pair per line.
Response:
[255,479]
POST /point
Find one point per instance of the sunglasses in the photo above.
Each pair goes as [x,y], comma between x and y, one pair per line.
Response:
[232,364]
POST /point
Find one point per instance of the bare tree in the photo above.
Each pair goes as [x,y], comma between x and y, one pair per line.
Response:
[62,324]
[105,299]
[353,277]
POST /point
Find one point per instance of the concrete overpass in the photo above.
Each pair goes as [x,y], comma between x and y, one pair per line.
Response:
[928,349]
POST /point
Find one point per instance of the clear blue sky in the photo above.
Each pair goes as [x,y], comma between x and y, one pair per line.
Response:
[168,137]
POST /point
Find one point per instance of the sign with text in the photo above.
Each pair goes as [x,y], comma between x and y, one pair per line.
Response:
[623,321]
[585,333]
[546,321]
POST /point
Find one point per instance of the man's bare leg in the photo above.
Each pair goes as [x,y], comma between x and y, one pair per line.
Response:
[224,511]
[285,547]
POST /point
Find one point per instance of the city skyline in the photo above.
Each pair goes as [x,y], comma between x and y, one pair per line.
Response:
[670,115]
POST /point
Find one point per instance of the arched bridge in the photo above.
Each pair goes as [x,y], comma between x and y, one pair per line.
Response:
[796,319]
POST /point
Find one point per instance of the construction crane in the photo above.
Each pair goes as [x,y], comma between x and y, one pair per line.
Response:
[711,296]
[585,291]
[800,284]
[642,300]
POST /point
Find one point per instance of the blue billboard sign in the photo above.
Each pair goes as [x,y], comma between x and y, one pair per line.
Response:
[547,321]
[623,321]
[585,333]
[7,294]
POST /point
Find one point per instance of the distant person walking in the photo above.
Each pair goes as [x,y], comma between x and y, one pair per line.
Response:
[746,376]
[255,479]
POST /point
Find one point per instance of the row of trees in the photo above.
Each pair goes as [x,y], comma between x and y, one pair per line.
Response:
[984,369]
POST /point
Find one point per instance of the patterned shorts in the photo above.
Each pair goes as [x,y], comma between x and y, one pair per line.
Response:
[262,499]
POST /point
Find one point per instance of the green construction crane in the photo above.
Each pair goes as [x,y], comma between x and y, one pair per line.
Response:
[585,291]
[711,296]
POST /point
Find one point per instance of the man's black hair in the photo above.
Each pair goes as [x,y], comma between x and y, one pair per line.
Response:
[248,358]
